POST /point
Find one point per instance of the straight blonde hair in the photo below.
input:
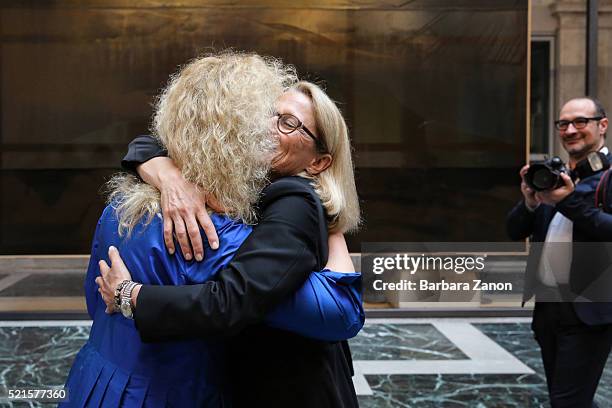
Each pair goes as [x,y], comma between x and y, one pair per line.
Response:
[336,185]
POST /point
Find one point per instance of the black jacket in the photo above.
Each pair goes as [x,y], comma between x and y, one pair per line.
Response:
[590,274]
[265,366]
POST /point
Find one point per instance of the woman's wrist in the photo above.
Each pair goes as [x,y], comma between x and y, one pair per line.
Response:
[158,172]
[134,295]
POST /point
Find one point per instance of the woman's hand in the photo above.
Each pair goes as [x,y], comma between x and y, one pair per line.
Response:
[339,259]
[183,208]
[111,277]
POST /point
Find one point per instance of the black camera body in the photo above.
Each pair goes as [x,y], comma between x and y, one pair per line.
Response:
[546,175]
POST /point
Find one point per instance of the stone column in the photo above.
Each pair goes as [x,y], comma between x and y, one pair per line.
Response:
[571,54]
[604,70]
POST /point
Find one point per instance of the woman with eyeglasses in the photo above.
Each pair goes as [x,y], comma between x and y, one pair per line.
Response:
[277,353]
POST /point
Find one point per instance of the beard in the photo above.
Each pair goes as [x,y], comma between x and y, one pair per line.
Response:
[580,150]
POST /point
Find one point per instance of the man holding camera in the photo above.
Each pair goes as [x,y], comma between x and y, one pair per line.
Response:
[574,336]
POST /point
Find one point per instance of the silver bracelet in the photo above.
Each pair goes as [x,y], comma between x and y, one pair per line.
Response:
[127,307]
[118,291]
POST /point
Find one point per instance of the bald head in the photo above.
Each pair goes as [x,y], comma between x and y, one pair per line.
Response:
[596,106]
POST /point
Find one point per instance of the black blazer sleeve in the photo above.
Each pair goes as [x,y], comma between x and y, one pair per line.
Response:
[272,263]
[141,149]
[580,208]
[520,222]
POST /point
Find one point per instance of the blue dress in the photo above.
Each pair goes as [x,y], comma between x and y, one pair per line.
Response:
[114,368]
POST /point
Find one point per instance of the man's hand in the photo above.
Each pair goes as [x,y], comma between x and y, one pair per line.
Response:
[552,197]
[529,194]
[111,277]
[183,208]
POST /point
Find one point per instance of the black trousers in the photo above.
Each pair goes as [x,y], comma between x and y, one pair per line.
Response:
[574,354]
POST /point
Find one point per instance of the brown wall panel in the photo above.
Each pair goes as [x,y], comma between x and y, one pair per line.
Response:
[434,93]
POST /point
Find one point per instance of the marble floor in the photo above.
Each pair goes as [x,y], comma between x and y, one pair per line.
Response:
[477,362]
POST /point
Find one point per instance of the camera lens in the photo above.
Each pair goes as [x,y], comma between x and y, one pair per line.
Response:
[544,179]
[545,175]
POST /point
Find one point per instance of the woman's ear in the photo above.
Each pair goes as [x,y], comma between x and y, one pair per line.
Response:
[320,164]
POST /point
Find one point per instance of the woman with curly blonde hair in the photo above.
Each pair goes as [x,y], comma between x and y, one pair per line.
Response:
[213,118]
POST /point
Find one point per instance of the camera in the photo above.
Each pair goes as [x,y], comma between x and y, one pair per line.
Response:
[546,175]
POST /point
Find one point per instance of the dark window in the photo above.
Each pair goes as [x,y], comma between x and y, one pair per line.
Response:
[540,97]
[434,92]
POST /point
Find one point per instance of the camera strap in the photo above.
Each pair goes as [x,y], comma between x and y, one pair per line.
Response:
[601,191]
[593,164]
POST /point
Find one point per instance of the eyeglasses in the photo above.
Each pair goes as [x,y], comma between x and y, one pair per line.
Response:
[579,123]
[288,123]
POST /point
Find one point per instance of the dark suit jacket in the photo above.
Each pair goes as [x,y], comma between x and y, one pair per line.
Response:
[590,262]
[266,367]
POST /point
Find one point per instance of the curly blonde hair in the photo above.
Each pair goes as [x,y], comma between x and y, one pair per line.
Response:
[213,117]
